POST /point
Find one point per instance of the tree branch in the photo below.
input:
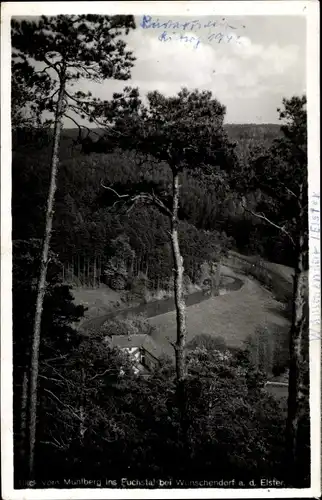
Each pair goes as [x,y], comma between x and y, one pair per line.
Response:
[53,95]
[59,446]
[149,198]
[289,190]
[52,65]
[50,378]
[68,382]
[64,404]
[115,192]
[78,109]
[93,75]
[72,119]
[42,70]
[153,200]
[102,374]
[173,344]
[73,98]
[262,216]
[82,126]
[63,356]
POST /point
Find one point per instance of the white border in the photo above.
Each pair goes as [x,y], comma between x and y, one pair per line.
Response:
[313,106]
[309,9]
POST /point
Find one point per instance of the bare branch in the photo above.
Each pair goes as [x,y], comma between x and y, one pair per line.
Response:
[263,217]
[78,109]
[73,98]
[42,70]
[53,66]
[64,404]
[149,198]
[173,344]
[53,95]
[102,374]
[59,358]
[72,119]
[290,192]
[68,382]
[115,192]
[50,378]
[59,446]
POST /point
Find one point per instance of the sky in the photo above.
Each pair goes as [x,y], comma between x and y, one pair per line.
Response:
[249,63]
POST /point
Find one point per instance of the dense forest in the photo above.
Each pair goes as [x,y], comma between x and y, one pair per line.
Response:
[85,231]
[142,201]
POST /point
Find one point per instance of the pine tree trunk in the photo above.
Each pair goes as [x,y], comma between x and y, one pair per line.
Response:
[180,351]
[42,279]
[23,421]
[298,357]
[215,279]
[68,272]
[178,286]
[94,273]
[82,427]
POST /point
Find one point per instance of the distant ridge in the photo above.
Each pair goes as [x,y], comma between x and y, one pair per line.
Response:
[234,130]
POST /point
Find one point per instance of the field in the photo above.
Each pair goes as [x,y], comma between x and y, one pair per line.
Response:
[234,316]
[98,301]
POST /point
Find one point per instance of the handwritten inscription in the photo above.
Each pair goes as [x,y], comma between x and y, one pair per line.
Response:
[315,269]
[219,31]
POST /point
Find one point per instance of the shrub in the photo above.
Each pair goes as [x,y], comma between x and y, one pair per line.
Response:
[130,325]
[207,342]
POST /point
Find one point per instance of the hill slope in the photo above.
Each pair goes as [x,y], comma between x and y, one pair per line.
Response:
[234,316]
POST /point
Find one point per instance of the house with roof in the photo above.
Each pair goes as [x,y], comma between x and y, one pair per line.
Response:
[142,349]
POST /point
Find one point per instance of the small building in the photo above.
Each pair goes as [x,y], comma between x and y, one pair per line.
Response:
[142,349]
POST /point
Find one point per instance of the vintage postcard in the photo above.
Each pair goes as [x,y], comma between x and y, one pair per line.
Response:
[160,250]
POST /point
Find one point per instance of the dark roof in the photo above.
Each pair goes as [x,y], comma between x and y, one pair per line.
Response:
[139,340]
[152,347]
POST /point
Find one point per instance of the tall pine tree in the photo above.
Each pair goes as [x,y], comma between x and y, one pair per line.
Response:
[69,48]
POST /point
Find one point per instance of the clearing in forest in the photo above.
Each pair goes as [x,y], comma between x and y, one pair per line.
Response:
[234,316]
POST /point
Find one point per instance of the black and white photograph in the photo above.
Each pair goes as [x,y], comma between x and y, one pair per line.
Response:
[161,250]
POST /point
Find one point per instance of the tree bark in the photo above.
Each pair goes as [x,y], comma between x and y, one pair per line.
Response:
[298,356]
[215,278]
[94,272]
[82,428]
[23,421]
[178,286]
[42,278]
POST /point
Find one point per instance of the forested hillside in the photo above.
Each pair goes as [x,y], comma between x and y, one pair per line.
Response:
[85,230]
[155,200]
